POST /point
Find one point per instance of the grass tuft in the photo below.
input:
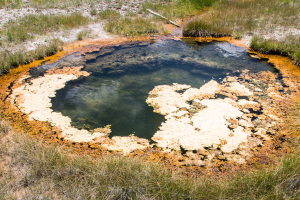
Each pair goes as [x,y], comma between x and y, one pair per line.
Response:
[172,9]
[237,18]
[4,128]
[228,17]
[83,34]
[10,60]
[289,46]
[28,26]
[135,26]
[109,14]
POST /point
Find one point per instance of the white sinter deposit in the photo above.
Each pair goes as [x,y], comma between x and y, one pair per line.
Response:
[34,100]
[194,119]
[204,122]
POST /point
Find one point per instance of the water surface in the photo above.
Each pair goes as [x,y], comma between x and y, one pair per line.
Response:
[122,76]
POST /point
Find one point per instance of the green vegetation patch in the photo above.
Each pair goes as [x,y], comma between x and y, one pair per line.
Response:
[237,17]
[176,8]
[289,46]
[10,3]
[109,14]
[44,4]
[25,28]
[136,26]
[10,60]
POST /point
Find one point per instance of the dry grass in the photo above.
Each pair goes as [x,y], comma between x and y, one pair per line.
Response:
[30,169]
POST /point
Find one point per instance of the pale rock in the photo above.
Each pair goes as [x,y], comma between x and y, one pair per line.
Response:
[231,79]
[166,100]
[179,87]
[191,94]
[246,123]
[240,136]
[208,90]
[237,159]
[126,144]
[258,90]
[238,89]
[262,133]
[199,163]
[246,110]
[232,102]
[274,95]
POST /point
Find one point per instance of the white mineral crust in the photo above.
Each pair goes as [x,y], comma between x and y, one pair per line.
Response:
[34,100]
[238,89]
[167,100]
[126,144]
[206,128]
[207,90]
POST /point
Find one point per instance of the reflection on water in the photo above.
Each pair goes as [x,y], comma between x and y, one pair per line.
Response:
[122,76]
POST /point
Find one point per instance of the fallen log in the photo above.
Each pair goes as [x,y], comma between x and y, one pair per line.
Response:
[154,13]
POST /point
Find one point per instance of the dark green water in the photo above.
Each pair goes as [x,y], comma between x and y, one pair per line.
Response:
[122,76]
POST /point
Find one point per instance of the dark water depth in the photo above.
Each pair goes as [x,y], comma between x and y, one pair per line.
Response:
[122,76]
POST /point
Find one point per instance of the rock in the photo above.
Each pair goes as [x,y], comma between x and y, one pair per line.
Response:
[249,104]
[166,99]
[246,124]
[262,133]
[231,79]
[206,91]
[126,144]
[257,90]
[236,159]
[238,89]
[199,163]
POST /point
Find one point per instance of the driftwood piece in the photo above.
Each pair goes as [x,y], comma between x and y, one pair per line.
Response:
[154,13]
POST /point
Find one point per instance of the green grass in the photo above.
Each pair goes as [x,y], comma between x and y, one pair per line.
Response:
[31,25]
[247,16]
[10,3]
[237,18]
[132,26]
[109,15]
[83,34]
[289,46]
[33,170]
[172,9]
[44,4]
[10,60]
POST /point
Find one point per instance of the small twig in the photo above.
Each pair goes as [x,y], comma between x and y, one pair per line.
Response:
[154,13]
